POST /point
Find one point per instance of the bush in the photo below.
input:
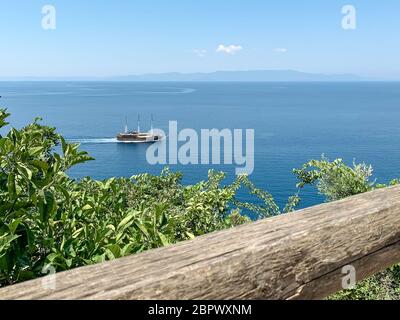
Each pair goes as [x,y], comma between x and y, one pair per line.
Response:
[335,180]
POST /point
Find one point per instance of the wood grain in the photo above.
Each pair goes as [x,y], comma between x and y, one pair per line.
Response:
[294,256]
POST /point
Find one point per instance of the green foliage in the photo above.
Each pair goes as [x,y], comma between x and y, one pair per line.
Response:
[32,188]
[268,208]
[48,219]
[335,180]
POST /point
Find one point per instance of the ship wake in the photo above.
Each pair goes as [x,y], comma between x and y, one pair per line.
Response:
[93,140]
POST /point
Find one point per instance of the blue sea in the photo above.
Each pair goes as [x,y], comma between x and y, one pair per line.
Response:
[293,123]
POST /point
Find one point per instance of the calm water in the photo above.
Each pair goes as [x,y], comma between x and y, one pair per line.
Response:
[293,122]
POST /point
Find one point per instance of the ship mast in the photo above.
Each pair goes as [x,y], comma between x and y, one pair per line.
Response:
[138,124]
[151,125]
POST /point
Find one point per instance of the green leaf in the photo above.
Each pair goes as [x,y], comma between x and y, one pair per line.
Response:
[126,221]
[52,256]
[99,258]
[190,235]
[11,183]
[87,207]
[47,206]
[5,243]
[77,233]
[126,250]
[35,151]
[141,228]
[24,170]
[64,145]
[163,239]
[42,165]
[14,225]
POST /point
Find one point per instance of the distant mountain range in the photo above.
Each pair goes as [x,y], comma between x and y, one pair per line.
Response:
[255,75]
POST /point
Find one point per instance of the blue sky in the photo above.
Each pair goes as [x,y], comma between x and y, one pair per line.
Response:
[119,37]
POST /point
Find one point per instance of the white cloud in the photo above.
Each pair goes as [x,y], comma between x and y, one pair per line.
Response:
[232,49]
[281,50]
[200,52]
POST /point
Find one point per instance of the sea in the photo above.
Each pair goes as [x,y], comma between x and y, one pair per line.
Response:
[292,122]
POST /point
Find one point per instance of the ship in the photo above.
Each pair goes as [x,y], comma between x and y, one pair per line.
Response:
[138,136]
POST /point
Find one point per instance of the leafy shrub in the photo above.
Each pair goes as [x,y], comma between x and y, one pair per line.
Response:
[335,180]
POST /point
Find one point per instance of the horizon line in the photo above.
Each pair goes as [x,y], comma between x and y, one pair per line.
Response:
[125,77]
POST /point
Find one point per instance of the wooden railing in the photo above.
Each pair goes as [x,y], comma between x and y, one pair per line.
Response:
[295,256]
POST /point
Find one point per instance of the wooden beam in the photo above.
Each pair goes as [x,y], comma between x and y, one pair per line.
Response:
[295,256]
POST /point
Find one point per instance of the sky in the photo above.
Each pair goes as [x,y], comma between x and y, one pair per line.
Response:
[121,37]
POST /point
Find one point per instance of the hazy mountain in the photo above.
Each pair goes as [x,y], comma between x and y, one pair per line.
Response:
[258,75]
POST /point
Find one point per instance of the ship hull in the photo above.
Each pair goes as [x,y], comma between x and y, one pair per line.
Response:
[138,138]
